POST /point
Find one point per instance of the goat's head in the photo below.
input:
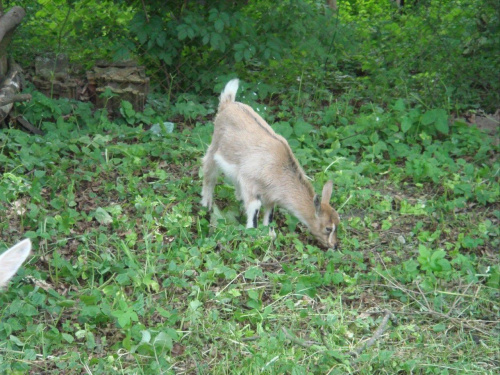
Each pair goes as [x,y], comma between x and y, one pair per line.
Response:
[326,221]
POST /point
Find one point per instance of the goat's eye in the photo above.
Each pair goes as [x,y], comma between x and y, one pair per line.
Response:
[329,230]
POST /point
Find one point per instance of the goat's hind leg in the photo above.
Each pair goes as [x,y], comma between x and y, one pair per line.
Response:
[268,218]
[268,214]
[252,203]
[210,173]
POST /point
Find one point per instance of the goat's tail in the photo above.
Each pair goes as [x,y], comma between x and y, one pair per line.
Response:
[228,95]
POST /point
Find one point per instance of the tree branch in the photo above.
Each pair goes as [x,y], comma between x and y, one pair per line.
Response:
[10,20]
[27,125]
[9,88]
[296,340]
[14,98]
[379,332]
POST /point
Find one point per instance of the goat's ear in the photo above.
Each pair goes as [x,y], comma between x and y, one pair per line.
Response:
[327,192]
[317,204]
[12,259]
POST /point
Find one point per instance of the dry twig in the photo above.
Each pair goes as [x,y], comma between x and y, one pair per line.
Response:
[378,333]
[296,340]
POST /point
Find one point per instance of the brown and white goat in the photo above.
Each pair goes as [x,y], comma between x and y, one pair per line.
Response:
[11,260]
[264,170]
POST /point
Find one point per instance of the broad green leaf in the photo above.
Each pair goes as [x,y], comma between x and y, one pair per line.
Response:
[400,105]
[444,264]
[283,128]
[302,128]
[103,217]
[253,273]
[125,317]
[163,339]
[182,34]
[253,294]
[438,117]
[238,56]
[406,124]
[438,254]
[374,137]
[194,304]
[219,25]
[39,174]
[442,124]
[66,303]
[206,39]
[337,278]
[15,340]
[146,336]
[440,327]
[67,337]
[254,304]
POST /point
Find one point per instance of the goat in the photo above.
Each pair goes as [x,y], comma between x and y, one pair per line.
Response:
[11,260]
[264,170]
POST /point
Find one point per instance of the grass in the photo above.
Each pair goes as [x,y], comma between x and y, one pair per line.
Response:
[131,275]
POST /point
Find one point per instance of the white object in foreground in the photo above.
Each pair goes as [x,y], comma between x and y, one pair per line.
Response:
[11,260]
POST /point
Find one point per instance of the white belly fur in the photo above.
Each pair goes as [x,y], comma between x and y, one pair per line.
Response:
[230,170]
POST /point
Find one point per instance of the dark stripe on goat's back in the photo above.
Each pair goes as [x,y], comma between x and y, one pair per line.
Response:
[292,162]
[256,119]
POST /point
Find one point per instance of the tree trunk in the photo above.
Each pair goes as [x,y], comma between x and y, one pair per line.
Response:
[8,23]
[10,72]
[9,89]
[332,4]
[10,20]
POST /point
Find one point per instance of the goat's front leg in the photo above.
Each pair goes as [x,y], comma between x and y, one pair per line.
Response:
[252,208]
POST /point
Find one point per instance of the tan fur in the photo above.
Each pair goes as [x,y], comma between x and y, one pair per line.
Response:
[263,169]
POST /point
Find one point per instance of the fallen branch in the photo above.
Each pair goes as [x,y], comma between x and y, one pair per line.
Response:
[10,87]
[251,338]
[323,339]
[14,99]
[296,340]
[379,332]
[27,125]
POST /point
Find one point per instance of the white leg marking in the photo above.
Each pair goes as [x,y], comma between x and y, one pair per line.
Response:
[268,215]
[253,213]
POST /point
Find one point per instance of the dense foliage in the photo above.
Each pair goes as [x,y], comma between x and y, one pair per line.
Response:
[129,274]
[434,52]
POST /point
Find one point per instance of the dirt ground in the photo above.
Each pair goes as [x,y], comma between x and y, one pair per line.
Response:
[490,124]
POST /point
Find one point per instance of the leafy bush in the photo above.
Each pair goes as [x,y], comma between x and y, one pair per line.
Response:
[441,53]
[203,42]
[84,30]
